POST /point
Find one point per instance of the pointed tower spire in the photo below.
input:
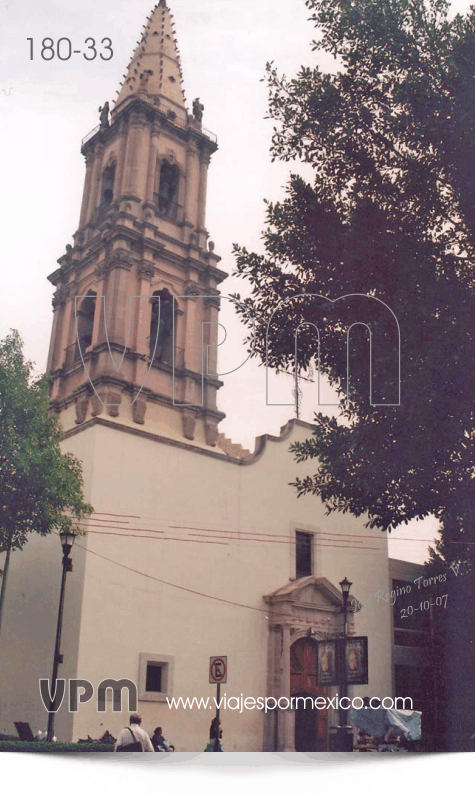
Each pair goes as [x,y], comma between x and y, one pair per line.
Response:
[155,68]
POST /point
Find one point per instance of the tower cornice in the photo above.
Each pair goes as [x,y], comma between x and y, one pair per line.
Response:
[151,114]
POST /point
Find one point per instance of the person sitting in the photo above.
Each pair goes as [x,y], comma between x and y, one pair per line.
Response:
[158,741]
[394,741]
[365,742]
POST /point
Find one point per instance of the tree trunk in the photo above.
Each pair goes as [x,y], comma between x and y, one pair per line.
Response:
[4,578]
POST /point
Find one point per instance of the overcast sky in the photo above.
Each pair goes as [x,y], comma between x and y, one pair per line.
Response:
[47,107]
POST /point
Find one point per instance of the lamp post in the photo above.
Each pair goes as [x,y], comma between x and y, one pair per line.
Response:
[67,540]
[345,585]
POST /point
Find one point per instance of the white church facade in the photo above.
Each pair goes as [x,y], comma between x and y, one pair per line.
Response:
[197,547]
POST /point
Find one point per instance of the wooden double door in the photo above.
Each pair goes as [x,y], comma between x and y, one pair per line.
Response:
[311,725]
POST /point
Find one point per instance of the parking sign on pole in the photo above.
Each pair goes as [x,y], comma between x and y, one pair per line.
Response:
[218,670]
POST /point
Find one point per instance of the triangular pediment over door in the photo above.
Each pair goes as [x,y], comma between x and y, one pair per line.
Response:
[311,602]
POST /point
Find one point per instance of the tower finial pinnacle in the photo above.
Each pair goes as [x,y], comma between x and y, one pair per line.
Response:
[155,69]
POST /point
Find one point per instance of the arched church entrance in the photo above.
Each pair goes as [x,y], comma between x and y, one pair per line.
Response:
[311,726]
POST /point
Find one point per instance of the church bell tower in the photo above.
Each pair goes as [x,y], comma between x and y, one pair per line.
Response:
[136,302]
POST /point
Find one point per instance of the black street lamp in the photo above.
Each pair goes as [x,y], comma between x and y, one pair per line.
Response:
[67,540]
[345,733]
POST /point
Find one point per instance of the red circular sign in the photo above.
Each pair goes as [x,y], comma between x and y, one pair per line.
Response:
[217,669]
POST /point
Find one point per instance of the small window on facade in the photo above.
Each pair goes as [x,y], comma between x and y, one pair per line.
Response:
[154,679]
[303,554]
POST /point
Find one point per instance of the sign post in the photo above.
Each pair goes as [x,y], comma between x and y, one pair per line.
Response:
[218,675]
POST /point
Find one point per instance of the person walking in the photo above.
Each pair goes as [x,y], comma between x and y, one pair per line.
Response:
[214,737]
[133,738]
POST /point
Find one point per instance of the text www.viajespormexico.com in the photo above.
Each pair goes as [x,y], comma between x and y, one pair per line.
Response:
[239,703]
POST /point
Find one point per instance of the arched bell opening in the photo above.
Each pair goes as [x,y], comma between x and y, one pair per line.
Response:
[166,195]
[161,327]
[85,323]
[108,178]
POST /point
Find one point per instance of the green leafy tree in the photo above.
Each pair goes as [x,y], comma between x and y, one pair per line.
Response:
[41,488]
[390,213]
